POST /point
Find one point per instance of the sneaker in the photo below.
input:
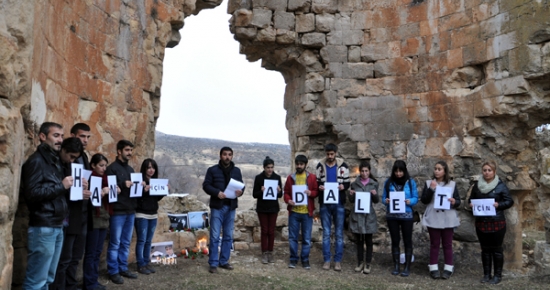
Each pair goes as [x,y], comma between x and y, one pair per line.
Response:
[116,278]
[264,258]
[150,268]
[326,266]
[337,266]
[144,270]
[366,270]
[227,266]
[270,258]
[128,274]
[359,267]
[292,264]
[213,270]
[306,265]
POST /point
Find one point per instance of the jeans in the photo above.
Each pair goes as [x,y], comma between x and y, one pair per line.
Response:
[121,229]
[71,254]
[221,219]
[295,222]
[333,213]
[267,225]
[44,249]
[94,246]
[145,229]
[437,237]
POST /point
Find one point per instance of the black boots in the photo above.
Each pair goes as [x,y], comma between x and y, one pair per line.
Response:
[486,260]
[498,261]
[408,257]
[395,256]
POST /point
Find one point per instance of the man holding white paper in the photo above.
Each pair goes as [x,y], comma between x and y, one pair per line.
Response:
[222,209]
[300,216]
[333,171]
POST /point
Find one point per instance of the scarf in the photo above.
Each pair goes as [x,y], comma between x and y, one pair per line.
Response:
[485,187]
[227,171]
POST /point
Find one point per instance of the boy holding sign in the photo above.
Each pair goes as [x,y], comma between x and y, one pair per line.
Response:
[300,216]
[441,196]
[267,189]
[362,221]
[399,219]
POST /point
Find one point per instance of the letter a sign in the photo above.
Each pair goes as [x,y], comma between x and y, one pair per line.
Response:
[270,192]
[331,195]
[298,195]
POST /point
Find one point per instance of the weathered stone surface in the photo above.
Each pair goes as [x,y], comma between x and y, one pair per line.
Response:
[314,39]
[261,18]
[284,20]
[242,17]
[305,22]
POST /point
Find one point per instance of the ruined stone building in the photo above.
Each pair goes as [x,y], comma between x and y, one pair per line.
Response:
[420,80]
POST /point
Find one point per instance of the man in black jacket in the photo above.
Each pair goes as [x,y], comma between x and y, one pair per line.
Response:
[43,187]
[74,242]
[122,215]
[222,209]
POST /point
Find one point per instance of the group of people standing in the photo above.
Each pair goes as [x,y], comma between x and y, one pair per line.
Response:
[63,231]
[439,222]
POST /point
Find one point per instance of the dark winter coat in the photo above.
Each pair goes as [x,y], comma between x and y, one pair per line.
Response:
[148,204]
[267,206]
[360,223]
[214,182]
[123,172]
[501,194]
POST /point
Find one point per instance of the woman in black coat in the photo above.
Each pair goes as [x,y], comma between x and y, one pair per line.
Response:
[491,229]
[267,209]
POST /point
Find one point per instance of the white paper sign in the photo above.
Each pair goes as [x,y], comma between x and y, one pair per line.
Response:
[95,188]
[484,207]
[137,188]
[298,195]
[86,174]
[233,186]
[362,202]
[441,197]
[158,186]
[331,195]
[76,187]
[270,191]
[397,202]
[113,193]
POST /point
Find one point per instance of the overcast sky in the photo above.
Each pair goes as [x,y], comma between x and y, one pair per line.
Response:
[209,90]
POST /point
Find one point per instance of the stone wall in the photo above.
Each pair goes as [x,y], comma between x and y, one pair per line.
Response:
[419,80]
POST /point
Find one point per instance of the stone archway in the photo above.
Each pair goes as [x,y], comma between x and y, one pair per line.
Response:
[420,80]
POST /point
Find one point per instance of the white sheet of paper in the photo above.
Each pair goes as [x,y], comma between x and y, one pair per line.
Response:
[76,187]
[397,202]
[113,194]
[331,195]
[483,207]
[298,195]
[362,202]
[137,188]
[86,174]
[233,186]
[270,191]
[95,188]
[441,197]
[158,186]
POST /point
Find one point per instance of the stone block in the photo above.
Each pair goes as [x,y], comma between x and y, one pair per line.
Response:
[234,5]
[314,39]
[354,54]
[357,70]
[283,20]
[305,22]
[282,219]
[257,235]
[299,5]
[242,17]
[284,234]
[324,22]
[352,37]
[314,83]
[261,18]
[266,35]
[240,246]
[285,36]
[335,38]
[335,69]
[334,53]
[311,61]
[361,19]
[245,33]
[324,6]
[374,52]
[348,87]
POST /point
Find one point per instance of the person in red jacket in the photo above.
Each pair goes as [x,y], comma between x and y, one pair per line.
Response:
[300,210]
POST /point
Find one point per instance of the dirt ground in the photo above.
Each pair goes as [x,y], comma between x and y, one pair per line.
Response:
[250,273]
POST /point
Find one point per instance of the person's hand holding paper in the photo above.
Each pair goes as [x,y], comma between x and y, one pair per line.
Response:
[234,189]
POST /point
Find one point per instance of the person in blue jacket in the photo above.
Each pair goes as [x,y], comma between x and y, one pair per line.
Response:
[222,208]
[400,222]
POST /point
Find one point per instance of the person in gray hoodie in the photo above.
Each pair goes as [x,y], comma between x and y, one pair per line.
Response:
[440,222]
[361,224]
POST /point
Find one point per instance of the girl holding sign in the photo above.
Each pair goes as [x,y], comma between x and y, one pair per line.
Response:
[440,217]
[400,220]
[95,237]
[491,229]
[146,218]
[363,225]
[267,206]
